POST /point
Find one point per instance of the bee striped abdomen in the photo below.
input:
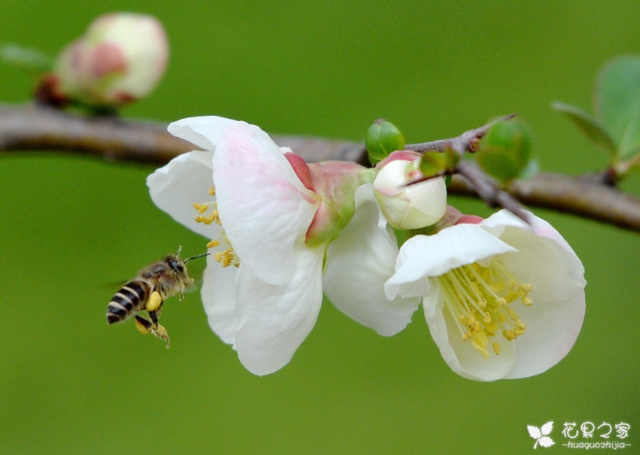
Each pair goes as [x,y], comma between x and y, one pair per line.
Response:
[127,301]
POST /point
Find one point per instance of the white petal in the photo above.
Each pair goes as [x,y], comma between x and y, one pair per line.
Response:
[275,320]
[429,197]
[218,297]
[497,222]
[359,261]
[175,187]
[555,318]
[552,329]
[429,256]
[204,132]
[541,261]
[460,355]
[263,205]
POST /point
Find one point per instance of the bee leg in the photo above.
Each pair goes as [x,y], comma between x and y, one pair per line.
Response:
[156,328]
[154,315]
[161,332]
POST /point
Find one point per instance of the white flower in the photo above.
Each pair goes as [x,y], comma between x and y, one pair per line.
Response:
[502,299]
[408,207]
[120,58]
[276,217]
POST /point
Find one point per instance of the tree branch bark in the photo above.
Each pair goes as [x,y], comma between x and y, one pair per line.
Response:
[37,128]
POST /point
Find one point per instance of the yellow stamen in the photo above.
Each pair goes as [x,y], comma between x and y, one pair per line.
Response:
[213,217]
[201,208]
[479,300]
[225,258]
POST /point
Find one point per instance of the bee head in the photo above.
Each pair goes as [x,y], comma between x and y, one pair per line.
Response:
[176,265]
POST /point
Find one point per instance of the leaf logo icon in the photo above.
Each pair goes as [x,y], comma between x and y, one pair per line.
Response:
[541,435]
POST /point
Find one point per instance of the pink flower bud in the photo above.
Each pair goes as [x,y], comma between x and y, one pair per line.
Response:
[121,58]
[408,207]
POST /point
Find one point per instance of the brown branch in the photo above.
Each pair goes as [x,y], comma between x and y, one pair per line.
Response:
[568,194]
[466,142]
[489,191]
[36,128]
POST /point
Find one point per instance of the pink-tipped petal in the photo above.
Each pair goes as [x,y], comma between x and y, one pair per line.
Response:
[264,207]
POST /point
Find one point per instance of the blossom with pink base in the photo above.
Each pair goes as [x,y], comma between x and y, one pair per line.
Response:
[120,59]
[274,218]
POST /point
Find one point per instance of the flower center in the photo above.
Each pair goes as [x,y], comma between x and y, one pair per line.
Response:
[228,256]
[479,300]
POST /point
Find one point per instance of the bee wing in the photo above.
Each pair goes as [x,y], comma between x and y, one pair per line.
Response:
[191,289]
[114,284]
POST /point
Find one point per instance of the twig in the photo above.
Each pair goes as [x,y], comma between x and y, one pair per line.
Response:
[33,128]
[489,191]
[466,142]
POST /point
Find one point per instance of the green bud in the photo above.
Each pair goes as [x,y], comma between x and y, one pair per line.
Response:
[437,163]
[383,139]
[505,150]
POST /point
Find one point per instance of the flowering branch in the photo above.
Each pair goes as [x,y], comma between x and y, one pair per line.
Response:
[33,127]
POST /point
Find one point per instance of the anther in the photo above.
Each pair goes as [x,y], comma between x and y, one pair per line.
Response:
[201,208]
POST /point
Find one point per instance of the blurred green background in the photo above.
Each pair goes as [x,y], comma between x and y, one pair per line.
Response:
[69,225]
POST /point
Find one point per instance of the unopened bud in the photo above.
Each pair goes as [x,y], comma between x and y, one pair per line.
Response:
[383,139]
[408,207]
[120,59]
[505,150]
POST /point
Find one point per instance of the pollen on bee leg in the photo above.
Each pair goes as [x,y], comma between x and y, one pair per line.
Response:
[142,328]
[155,300]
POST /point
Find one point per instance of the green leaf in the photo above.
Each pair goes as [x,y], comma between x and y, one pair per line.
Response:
[617,103]
[530,171]
[31,60]
[588,125]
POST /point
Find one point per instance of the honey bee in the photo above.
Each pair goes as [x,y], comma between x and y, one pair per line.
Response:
[148,291]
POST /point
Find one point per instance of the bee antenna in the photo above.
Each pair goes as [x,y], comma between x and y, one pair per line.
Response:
[196,257]
[178,253]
